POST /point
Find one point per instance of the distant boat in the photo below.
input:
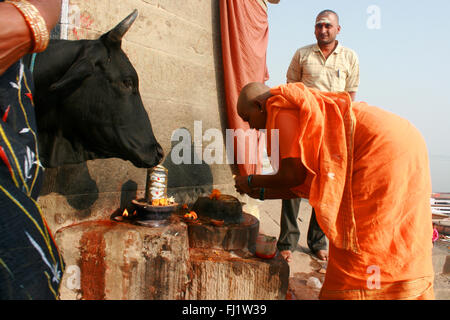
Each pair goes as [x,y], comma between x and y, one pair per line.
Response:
[440,205]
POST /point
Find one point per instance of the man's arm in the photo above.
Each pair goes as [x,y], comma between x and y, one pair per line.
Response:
[352,95]
[294,72]
[352,82]
[270,194]
[291,174]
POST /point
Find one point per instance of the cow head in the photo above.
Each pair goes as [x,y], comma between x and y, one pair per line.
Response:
[88,104]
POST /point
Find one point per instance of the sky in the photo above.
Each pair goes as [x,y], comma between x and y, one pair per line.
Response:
[404,54]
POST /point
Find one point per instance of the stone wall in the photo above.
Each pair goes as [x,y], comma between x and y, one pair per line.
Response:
[175,48]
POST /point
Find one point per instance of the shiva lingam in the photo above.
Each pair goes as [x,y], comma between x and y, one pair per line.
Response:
[155,209]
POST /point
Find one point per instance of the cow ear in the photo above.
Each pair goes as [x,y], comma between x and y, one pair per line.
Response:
[77,72]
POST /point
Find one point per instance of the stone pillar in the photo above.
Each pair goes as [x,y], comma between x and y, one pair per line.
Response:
[121,261]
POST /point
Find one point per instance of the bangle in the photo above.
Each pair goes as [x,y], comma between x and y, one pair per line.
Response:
[261,194]
[249,181]
[35,22]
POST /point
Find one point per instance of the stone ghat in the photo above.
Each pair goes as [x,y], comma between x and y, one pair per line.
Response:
[122,261]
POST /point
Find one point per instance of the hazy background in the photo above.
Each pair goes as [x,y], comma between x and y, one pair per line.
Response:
[404,51]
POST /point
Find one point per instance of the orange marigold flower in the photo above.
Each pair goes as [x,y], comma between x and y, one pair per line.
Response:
[191,215]
[215,194]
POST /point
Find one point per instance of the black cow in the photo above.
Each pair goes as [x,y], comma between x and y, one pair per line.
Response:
[88,104]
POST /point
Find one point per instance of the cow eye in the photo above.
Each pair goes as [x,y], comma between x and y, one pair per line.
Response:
[128,83]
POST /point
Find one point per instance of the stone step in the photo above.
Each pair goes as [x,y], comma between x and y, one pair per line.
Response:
[224,275]
[109,260]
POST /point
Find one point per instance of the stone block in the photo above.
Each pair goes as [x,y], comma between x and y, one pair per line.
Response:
[201,13]
[119,261]
[162,31]
[236,275]
[234,236]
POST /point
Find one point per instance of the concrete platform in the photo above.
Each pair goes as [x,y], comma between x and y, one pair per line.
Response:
[304,266]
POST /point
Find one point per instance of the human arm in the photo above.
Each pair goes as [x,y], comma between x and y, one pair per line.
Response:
[352,95]
[352,81]
[294,72]
[291,174]
[270,194]
[15,36]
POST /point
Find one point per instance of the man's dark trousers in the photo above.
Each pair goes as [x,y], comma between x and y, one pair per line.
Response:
[290,233]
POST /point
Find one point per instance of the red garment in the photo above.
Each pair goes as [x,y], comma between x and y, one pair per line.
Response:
[245,33]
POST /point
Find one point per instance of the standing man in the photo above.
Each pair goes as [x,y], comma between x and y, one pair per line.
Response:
[326,66]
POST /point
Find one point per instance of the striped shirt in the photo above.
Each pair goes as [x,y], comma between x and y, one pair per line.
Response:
[340,72]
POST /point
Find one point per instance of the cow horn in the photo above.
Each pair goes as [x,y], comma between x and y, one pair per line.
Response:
[116,34]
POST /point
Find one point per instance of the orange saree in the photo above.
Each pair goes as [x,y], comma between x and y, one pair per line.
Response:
[369,182]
